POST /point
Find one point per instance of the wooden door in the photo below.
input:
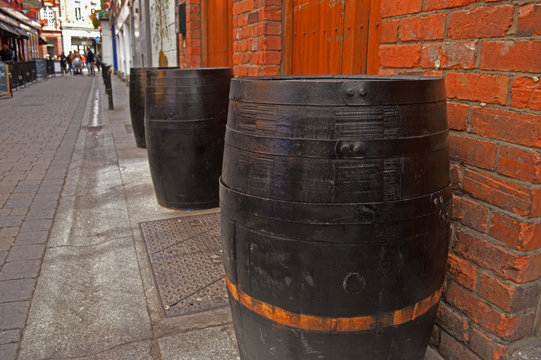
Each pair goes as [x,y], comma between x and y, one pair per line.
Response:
[218,33]
[327,37]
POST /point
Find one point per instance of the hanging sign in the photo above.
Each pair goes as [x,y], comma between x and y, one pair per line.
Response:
[32,4]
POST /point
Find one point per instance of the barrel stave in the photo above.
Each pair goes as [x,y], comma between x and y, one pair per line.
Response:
[137,96]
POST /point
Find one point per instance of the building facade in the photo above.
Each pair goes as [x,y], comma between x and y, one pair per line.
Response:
[145,34]
[124,37]
[78,29]
[51,22]
[20,29]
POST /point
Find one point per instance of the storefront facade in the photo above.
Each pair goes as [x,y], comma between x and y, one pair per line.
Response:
[20,32]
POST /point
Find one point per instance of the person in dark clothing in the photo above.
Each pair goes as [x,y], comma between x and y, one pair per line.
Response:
[69,60]
[63,63]
[98,60]
[90,61]
[6,54]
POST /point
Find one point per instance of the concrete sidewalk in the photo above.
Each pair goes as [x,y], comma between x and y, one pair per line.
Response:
[94,297]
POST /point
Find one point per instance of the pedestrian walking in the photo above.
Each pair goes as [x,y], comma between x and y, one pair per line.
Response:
[98,61]
[90,61]
[63,63]
[69,61]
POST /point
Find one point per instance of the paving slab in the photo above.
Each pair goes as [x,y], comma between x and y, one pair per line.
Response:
[13,314]
[8,351]
[36,225]
[9,231]
[26,252]
[16,290]
[9,336]
[210,343]
[88,299]
[11,221]
[20,269]
[32,237]
[18,211]
[6,242]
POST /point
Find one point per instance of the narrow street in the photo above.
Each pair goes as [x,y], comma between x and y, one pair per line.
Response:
[74,276]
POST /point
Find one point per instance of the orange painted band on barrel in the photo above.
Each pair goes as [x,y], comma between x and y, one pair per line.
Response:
[327,324]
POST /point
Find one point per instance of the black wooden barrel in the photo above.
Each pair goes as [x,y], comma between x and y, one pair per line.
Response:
[138,80]
[186,112]
[335,205]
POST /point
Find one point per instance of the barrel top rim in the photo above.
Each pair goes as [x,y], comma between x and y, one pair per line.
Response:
[141,68]
[329,78]
[187,69]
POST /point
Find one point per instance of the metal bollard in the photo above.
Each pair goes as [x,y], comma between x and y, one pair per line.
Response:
[106,74]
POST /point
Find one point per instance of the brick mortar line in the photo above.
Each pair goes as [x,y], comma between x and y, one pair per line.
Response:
[487,302]
[494,141]
[499,176]
[501,73]
[511,38]
[494,208]
[450,10]
[486,237]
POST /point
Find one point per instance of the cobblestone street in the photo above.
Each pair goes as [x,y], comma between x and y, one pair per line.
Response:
[39,128]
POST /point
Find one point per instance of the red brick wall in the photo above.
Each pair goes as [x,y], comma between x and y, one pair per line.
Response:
[189,47]
[490,54]
[257,37]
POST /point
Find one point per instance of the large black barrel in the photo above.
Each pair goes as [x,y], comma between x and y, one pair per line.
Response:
[335,205]
[138,82]
[186,112]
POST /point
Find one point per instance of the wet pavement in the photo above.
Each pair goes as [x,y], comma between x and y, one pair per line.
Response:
[75,281]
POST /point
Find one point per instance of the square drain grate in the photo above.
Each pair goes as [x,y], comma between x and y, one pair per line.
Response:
[185,256]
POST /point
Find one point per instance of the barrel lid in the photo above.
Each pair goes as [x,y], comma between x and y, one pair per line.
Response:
[337,90]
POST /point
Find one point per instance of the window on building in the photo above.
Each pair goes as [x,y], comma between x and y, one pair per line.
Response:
[78,13]
[48,15]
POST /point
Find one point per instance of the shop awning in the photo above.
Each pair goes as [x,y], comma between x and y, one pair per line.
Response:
[13,31]
[22,33]
[9,29]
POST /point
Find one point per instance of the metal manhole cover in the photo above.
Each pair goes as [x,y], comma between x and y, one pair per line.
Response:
[185,256]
